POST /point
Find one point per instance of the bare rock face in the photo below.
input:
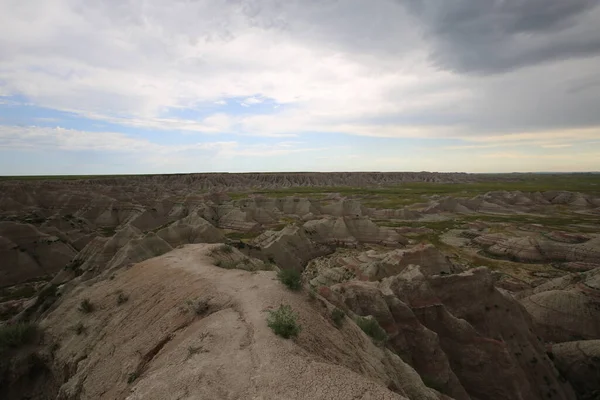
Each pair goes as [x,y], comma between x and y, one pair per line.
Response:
[351,231]
[26,253]
[191,229]
[238,220]
[190,329]
[522,249]
[291,247]
[566,308]
[373,266]
[474,349]
[539,249]
[579,363]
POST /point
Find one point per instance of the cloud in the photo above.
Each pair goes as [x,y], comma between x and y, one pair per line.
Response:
[470,76]
[491,36]
[33,137]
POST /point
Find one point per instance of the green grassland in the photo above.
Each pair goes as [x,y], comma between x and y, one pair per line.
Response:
[409,193]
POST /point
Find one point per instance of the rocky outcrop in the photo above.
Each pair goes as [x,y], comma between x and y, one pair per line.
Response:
[567,308]
[191,229]
[28,254]
[536,248]
[579,363]
[482,349]
[195,330]
[289,248]
[373,266]
[351,231]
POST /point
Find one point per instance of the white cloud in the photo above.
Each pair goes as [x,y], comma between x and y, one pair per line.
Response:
[356,68]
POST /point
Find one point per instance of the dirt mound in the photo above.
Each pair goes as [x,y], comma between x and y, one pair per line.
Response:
[191,329]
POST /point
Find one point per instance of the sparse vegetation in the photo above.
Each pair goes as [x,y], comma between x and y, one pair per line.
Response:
[16,335]
[79,328]
[108,231]
[122,298]
[226,264]
[132,377]
[199,307]
[290,278]
[371,327]
[193,350]
[221,249]
[338,316]
[86,306]
[283,322]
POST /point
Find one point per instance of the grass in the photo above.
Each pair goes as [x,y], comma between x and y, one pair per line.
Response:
[338,317]
[17,335]
[242,235]
[371,327]
[108,231]
[290,278]
[86,306]
[221,249]
[409,193]
[283,322]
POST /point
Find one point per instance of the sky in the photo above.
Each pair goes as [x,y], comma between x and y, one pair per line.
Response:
[177,86]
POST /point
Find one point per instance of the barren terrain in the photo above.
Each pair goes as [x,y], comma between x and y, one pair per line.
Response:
[484,286]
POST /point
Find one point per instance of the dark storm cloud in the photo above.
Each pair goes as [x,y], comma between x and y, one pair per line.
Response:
[490,36]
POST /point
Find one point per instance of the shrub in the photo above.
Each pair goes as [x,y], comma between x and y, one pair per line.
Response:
[17,335]
[283,322]
[86,306]
[290,278]
[199,307]
[79,328]
[337,316]
[132,377]
[224,249]
[122,298]
[371,327]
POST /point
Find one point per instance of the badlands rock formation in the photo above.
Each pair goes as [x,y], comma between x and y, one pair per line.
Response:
[190,329]
[180,281]
[567,308]
[579,363]
[470,349]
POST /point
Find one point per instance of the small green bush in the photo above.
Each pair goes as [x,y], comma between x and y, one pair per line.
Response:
[283,322]
[337,316]
[86,306]
[371,327]
[290,278]
[17,335]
